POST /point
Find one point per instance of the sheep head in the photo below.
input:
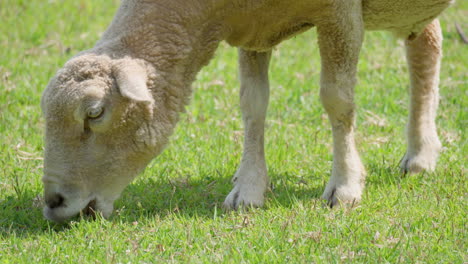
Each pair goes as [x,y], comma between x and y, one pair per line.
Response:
[100,133]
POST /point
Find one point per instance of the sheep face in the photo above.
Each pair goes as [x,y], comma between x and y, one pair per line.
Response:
[98,134]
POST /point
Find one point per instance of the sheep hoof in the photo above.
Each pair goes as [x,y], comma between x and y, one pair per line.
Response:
[412,164]
[336,194]
[423,160]
[244,196]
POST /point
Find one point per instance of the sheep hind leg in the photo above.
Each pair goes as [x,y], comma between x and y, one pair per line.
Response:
[423,55]
[340,41]
[251,180]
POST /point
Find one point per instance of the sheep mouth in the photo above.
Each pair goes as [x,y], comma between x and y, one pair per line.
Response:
[90,209]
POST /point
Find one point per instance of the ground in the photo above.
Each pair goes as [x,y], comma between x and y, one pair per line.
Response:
[172,212]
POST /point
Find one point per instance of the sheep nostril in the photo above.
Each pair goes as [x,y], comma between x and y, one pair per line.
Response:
[54,201]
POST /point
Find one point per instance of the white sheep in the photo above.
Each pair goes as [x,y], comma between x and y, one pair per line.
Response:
[111,109]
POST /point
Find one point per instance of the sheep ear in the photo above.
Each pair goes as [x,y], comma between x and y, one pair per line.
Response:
[131,81]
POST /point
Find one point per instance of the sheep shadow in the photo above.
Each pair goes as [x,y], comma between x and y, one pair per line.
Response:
[201,197]
[150,197]
[21,216]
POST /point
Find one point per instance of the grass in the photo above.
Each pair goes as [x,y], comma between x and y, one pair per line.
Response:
[171,213]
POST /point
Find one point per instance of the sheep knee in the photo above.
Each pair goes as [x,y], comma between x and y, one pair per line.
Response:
[339,106]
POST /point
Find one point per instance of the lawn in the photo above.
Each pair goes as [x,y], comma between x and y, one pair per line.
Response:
[172,212]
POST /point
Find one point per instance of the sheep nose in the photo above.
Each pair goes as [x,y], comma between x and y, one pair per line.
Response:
[55,200]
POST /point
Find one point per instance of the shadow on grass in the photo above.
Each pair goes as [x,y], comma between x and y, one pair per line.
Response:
[22,216]
[202,197]
[184,197]
[378,174]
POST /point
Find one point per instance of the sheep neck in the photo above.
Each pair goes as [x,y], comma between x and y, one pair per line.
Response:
[176,39]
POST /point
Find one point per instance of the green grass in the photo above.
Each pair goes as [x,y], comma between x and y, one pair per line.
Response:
[171,213]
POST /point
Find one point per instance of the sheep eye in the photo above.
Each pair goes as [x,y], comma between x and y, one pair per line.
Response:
[95,112]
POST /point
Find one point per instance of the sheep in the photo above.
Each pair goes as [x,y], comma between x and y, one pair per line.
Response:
[111,109]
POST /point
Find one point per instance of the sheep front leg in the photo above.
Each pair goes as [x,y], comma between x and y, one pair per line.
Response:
[340,42]
[423,55]
[251,180]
